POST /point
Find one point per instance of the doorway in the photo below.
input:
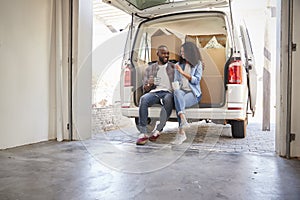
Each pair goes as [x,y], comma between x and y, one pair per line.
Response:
[251,14]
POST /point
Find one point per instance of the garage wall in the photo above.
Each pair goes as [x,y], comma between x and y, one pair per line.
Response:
[82,80]
[283,118]
[295,126]
[24,71]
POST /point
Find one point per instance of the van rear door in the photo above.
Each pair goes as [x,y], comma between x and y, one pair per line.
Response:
[250,68]
[149,9]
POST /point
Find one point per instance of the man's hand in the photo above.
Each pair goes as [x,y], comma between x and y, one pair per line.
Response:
[149,86]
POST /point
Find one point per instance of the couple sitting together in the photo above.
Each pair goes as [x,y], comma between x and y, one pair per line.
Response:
[158,80]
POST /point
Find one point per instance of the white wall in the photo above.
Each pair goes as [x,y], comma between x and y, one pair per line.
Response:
[253,14]
[82,93]
[254,18]
[24,71]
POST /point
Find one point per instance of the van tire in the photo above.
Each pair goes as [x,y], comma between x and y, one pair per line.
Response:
[150,126]
[238,128]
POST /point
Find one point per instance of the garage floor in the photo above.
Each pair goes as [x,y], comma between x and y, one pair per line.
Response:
[111,166]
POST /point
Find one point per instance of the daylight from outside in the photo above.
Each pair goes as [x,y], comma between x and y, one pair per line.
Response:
[110,29]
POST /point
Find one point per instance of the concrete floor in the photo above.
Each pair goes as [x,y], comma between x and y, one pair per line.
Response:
[111,166]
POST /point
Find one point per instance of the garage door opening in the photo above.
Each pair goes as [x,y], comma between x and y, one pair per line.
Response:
[261,23]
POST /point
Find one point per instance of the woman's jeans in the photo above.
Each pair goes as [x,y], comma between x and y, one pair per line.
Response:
[182,100]
[163,98]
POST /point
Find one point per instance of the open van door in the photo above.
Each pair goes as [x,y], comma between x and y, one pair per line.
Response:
[149,9]
[250,68]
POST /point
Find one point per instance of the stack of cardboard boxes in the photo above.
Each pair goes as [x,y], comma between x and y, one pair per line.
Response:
[214,58]
[212,82]
[165,37]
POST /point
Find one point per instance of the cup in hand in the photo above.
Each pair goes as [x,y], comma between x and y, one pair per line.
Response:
[175,85]
[151,80]
[157,80]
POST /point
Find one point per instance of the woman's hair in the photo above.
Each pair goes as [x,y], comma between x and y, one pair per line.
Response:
[191,54]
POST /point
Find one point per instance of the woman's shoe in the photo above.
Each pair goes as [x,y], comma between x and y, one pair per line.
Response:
[184,123]
[180,138]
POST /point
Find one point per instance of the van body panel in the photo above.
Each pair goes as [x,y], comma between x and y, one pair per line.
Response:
[191,113]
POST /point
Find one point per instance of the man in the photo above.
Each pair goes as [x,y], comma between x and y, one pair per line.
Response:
[157,87]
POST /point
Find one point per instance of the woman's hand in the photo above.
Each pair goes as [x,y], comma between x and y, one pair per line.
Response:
[179,69]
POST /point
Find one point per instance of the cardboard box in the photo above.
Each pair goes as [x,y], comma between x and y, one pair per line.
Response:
[212,82]
[202,40]
[167,38]
[218,57]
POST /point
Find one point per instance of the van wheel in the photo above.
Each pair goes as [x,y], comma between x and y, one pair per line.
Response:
[151,123]
[238,128]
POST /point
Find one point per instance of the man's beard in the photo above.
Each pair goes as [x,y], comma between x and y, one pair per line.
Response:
[162,60]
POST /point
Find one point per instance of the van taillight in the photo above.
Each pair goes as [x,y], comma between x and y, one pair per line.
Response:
[127,77]
[235,72]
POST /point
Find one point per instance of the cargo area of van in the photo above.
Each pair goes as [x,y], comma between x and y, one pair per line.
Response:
[208,32]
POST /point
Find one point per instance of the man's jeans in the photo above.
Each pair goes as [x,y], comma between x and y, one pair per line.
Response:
[182,100]
[163,98]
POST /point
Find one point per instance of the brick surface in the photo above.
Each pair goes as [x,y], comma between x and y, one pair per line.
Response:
[202,136]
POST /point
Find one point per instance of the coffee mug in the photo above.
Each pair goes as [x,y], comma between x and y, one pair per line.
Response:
[175,85]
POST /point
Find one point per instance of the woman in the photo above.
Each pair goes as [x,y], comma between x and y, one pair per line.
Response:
[188,74]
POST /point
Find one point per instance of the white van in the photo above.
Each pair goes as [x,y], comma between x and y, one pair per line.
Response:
[229,78]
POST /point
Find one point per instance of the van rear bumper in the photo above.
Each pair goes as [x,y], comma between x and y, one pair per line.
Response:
[192,113]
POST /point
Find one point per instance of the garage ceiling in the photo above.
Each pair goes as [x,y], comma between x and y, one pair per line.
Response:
[112,17]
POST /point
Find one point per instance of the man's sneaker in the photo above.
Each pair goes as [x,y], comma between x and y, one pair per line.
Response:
[180,138]
[143,139]
[154,136]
